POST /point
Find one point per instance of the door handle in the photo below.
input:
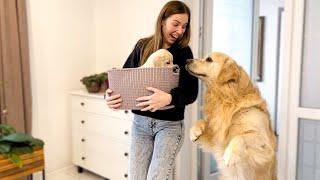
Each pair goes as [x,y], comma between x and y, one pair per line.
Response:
[4,112]
[258,60]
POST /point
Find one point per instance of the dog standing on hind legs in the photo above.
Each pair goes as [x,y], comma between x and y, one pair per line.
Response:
[236,127]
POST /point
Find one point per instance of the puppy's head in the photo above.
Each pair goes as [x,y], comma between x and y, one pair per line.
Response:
[161,58]
[217,67]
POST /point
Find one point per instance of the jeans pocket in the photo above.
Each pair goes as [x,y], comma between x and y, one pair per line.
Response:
[182,128]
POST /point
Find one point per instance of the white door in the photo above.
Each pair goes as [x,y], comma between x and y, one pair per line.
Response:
[267,55]
[299,145]
[227,27]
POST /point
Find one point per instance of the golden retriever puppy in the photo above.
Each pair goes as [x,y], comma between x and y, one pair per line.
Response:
[236,127]
[160,58]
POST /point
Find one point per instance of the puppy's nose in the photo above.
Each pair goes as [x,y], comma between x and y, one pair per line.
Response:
[189,61]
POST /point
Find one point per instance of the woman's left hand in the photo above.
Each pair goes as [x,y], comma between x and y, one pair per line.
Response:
[155,101]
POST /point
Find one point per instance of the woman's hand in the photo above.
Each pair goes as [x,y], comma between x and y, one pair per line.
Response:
[113,102]
[155,101]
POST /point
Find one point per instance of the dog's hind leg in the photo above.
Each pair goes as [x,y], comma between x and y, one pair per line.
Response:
[250,144]
[253,148]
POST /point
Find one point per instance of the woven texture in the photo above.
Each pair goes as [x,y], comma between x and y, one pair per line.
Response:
[131,83]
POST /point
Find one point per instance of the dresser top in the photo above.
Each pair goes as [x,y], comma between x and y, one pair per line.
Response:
[84,92]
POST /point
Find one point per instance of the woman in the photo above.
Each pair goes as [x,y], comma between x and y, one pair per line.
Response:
[157,135]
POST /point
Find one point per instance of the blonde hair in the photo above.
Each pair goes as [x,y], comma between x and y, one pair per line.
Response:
[155,42]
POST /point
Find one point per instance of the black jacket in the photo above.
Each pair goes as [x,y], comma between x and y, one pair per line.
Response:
[187,91]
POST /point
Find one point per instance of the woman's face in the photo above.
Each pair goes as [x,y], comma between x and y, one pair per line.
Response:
[173,28]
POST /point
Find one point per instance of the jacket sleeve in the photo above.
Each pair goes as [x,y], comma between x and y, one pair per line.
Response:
[187,90]
[134,57]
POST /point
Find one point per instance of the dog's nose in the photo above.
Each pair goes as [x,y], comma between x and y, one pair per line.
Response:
[189,61]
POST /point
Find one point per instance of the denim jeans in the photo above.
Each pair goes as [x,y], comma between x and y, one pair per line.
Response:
[154,146]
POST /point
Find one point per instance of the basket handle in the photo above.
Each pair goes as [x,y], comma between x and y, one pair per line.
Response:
[176,69]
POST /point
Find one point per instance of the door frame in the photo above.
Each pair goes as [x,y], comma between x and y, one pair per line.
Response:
[284,98]
[205,46]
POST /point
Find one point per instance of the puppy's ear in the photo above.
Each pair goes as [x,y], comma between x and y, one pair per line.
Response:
[157,62]
[229,72]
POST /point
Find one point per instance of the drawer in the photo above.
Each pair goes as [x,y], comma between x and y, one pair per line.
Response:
[97,106]
[108,126]
[106,157]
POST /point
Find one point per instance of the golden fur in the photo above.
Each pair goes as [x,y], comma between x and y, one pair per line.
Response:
[236,126]
[160,58]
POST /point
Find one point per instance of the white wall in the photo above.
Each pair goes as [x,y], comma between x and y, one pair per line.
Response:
[119,25]
[61,41]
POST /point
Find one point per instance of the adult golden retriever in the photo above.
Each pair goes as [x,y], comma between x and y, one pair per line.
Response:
[236,126]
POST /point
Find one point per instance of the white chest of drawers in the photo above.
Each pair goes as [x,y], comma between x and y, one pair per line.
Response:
[100,136]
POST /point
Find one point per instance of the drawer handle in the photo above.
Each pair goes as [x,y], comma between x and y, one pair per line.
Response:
[82,103]
[83,140]
[126,154]
[125,175]
[126,132]
[83,158]
[82,121]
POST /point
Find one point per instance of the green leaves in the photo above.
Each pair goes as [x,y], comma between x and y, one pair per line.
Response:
[5,148]
[22,150]
[6,129]
[17,137]
[98,78]
[15,159]
[13,144]
[37,142]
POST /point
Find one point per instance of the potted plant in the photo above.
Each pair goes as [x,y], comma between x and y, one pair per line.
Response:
[93,82]
[104,81]
[14,144]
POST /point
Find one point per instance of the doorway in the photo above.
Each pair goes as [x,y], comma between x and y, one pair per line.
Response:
[251,32]
[227,27]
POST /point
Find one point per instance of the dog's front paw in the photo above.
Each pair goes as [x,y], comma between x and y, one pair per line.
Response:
[195,133]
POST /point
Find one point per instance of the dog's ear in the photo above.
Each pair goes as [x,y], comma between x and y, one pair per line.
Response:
[229,72]
[157,62]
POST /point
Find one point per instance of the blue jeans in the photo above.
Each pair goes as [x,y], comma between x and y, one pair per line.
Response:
[154,146]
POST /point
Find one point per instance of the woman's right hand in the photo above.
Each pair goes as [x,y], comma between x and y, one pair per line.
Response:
[114,101]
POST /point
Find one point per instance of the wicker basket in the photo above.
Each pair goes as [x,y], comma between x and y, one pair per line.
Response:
[131,83]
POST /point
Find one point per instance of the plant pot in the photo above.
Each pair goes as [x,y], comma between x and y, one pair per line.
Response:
[104,86]
[94,87]
[31,163]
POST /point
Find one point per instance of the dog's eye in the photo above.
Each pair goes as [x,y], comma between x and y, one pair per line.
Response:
[209,59]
